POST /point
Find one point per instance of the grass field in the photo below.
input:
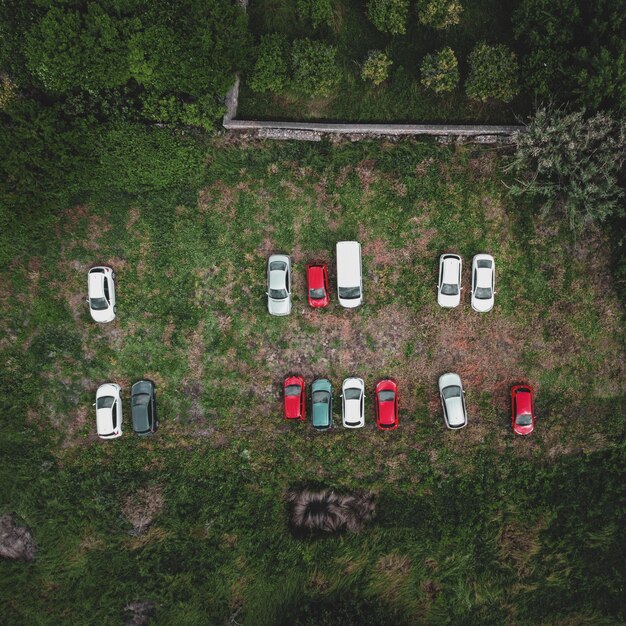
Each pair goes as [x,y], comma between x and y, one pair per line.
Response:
[400,98]
[472,527]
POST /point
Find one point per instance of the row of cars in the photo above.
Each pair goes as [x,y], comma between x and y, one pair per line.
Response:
[352,396]
[109,415]
[350,281]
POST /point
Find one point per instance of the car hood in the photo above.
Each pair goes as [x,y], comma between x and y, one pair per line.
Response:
[482,306]
[292,406]
[279,307]
[350,304]
[142,386]
[449,301]
[106,315]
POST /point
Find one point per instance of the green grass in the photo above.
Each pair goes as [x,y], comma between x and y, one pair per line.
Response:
[476,527]
[400,98]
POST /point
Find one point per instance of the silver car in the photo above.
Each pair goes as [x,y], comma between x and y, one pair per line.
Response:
[483,282]
[279,285]
[109,411]
[449,285]
[453,401]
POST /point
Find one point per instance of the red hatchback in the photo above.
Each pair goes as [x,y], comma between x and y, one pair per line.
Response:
[522,411]
[387,405]
[317,279]
[295,398]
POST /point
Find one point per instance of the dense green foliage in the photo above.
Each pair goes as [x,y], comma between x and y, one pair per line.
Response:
[477,527]
[440,71]
[439,13]
[170,62]
[572,164]
[574,51]
[314,67]
[376,67]
[316,11]
[271,72]
[493,73]
[389,16]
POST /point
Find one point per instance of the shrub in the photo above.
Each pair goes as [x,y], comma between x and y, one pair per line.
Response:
[571,164]
[376,67]
[440,71]
[389,16]
[316,11]
[270,69]
[493,73]
[315,71]
[440,14]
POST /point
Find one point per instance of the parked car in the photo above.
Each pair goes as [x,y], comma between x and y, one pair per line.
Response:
[101,293]
[522,410]
[109,411]
[279,285]
[322,404]
[349,274]
[317,285]
[353,403]
[387,405]
[453,401]
[483,282]
[294,395]
[143,407]
[449,285]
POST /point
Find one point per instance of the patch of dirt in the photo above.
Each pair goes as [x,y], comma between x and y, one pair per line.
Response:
[142,507]
[16,541]
[366,171]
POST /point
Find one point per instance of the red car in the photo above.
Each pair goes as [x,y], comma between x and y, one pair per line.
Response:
[387,405]
[522,411]
[317,279]
[295,398]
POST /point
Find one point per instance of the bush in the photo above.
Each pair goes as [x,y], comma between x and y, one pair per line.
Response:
[270,69]
[389,16]
[440,14]
[376,67]
[316,11]
[493,73]
[440,71]
[315,71]
[571,164]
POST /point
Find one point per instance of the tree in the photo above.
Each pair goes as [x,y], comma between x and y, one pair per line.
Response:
[389,16]
[439,14]
[316,11]
[270,70]
[376,67]
[571,164]
[440,71]
[315,71]
[493,73]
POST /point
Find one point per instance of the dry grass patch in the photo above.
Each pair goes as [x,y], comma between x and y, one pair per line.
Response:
[141,508]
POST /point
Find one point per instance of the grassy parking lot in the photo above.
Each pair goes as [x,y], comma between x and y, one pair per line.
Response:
[473,527]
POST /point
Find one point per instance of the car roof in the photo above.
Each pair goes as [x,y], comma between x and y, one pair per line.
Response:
[104,420]
[140,417]
[96,284]
[451,270]
[320,414]
[353,410]
[277,279]
[523,401]
[454,410]
[316,276]
[348,263]
[387,412]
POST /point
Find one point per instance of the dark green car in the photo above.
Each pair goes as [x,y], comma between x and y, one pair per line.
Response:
[322,404]
[143,408]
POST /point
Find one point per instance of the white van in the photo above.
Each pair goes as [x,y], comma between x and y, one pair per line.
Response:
[349,274]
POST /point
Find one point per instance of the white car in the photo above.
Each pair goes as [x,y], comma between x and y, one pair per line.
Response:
[349,274]
[353,403]
[453,401]
[449,285]
[101,292]
[109,411]
[483,282]
[279,285]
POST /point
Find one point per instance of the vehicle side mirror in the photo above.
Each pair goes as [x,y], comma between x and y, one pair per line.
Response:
[94,404]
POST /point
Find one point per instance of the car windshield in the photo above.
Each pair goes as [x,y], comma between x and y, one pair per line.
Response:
[349,293]
[321,397]
[483,293]
[278,294]
[386,396]
[352,394]
[317,294]
[141,399]
[105,402]
[278,266]
[98,304]
[449,290]
[484,263]
[453,391]
[525,419]
[292,390]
